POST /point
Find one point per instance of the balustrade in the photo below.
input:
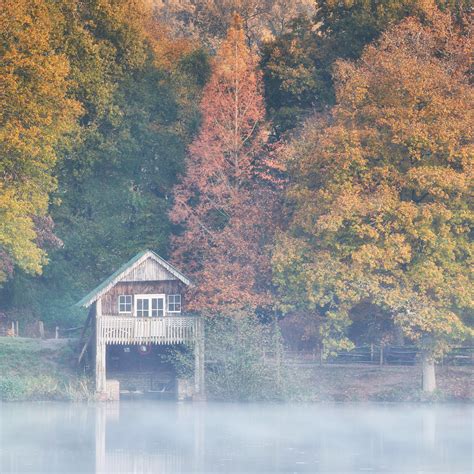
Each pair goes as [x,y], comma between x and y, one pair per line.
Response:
[154,330]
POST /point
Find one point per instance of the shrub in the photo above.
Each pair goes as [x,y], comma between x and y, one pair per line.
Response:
[244,362]
[13,388]
[44,387]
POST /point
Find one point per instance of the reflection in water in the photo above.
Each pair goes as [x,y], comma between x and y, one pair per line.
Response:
[159,437]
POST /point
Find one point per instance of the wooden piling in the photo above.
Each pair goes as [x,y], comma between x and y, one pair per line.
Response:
[100,356]
[199,384]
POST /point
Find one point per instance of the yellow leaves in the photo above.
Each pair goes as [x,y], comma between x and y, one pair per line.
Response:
[168,50]
[441,325]
[381,185]
[287,250]
[437,181]
[366,232]
[35,114]
[407,212]
[427,275]
[234,58]
[17,232]
[389,255]
[350,89]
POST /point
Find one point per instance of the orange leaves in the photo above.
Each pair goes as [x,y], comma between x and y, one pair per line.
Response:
[439,182]
[380,187]
[224,210]
[387,255]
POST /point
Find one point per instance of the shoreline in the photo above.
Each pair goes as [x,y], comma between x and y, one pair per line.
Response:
[43,370]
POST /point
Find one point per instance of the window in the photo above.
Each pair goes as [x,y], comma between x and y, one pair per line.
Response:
[143,307]
[157,306]
[174,303]
[125,303]
[149,306]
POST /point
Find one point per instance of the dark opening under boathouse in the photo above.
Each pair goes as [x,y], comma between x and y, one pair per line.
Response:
[136,314]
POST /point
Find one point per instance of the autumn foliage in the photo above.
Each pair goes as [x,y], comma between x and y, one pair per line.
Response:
[35,113]
[223,209]
[381,189]
[102,139]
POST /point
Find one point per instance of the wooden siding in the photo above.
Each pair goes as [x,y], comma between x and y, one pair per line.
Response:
[149,270]
[145,266]
[167,287]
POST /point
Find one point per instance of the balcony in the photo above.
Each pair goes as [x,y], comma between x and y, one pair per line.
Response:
[156,330]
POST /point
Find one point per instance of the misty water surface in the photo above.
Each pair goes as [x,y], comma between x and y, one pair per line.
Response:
[165,437]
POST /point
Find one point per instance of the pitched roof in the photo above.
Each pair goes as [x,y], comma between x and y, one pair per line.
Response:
[97,292]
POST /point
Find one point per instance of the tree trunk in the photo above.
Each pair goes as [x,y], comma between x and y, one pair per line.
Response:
[428,373]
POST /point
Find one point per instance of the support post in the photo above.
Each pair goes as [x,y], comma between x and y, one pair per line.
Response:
[100,353]
[199,388]
[100,368]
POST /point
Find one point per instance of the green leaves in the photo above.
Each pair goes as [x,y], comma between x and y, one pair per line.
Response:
[378,190]
[113,172]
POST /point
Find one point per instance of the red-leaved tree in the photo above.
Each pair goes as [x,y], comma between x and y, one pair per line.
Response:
[223,207]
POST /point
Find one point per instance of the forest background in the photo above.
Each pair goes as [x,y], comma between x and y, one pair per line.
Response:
[307,160]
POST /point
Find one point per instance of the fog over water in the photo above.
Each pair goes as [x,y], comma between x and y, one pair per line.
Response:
[166,437]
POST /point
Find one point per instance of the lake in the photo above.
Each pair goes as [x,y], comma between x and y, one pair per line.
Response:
[166,437]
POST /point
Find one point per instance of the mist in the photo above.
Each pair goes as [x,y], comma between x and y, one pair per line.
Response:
[165,437]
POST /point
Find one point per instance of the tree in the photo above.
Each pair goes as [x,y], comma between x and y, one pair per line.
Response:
[298,63]
[223,210]
[380,191]
[137,93]
[209,20]
[36,113]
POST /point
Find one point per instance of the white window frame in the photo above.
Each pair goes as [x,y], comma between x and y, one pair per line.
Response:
[149,298]
[174,303]
[125,304]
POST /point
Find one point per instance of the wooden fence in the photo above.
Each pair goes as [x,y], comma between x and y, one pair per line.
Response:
[380,355]
[10,329]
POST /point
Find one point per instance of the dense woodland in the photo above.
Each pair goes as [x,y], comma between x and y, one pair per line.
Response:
[310,162]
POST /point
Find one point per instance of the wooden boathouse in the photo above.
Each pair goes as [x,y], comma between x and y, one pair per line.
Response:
[134,313]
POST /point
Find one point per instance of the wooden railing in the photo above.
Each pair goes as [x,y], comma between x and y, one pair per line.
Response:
[157,330]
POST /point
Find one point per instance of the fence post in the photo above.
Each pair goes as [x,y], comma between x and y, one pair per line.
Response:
[40,327]
[371,352]
[13,329]
[56,333]
[17,329]
[381,355]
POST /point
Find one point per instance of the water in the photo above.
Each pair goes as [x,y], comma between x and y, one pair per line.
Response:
[160,437]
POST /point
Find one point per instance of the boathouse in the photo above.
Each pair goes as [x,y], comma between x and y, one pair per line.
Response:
[134,314]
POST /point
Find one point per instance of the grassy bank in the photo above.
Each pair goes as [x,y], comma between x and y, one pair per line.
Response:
[389,383]
[35,369]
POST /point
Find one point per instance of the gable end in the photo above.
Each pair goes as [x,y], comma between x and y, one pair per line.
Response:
[145,266]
